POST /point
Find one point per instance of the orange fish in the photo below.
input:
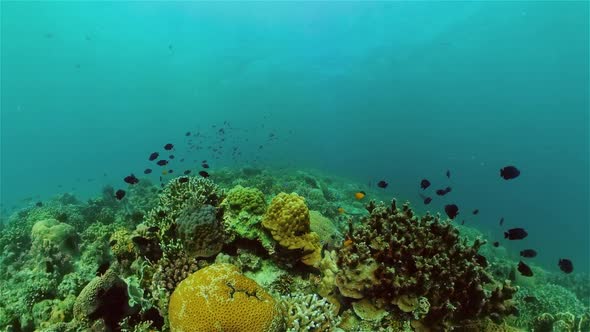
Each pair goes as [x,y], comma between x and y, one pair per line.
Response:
[360,195]
[347,242]
[341,210]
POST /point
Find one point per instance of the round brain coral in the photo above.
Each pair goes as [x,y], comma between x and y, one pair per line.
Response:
[246,199]
[287,219]
[220,298]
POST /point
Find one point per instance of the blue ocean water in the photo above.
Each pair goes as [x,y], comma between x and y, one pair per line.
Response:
[398,91]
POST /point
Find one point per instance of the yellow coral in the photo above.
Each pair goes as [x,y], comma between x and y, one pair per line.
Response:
[220,298]
[287,219]
[122,246]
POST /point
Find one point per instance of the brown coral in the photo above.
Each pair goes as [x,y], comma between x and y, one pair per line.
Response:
[396,257]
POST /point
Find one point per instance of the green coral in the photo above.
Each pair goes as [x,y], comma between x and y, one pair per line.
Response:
[122,246]
[538,305]
[246,199]
[180,193]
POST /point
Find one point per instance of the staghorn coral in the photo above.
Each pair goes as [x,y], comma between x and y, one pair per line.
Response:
[308,312]
[287,219]
[199,230]
[209,300]
[395,258]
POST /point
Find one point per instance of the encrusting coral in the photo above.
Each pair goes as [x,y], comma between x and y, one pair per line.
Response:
[395,258]
[287,219]
[220,298]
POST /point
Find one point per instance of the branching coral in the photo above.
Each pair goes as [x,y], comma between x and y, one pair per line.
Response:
[308,312]
[178,198]
[395,258]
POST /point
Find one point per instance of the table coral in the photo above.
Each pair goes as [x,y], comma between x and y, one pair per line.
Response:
[220,298]
[396,256]
[287,219]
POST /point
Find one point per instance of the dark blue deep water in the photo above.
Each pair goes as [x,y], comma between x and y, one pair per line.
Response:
[397,91]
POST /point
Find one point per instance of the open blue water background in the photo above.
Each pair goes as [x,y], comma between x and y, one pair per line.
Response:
[397,91]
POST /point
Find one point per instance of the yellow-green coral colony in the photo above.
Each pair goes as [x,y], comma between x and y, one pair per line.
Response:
[246,254]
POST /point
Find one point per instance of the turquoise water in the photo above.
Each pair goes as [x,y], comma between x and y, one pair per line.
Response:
[398,91]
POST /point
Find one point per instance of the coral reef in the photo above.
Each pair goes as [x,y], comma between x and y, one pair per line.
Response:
[209,299]
[287,219]
[395,258]
[173,200]
[103,301]
[200,231]
[308,312]
[246,199]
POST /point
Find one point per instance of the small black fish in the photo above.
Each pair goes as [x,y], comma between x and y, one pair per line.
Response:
[147,171]
[181,160]
[168,146]
[119,194]
[204,165]
[131,179]
[448,173]
[441,192]
[162,162]
[204,174]
[448,190]
[524,269]
[501,221]
[102,268]
[452,210]
[515,234]
[424,184]
[427,200]
[187,172]
[153,156]
[382,184]
[565,265]
[171,156]
[528,253]
[496,244]
[39,204]
[509,172]
[170,171]
[476,211]
[188,133]
[204,161]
